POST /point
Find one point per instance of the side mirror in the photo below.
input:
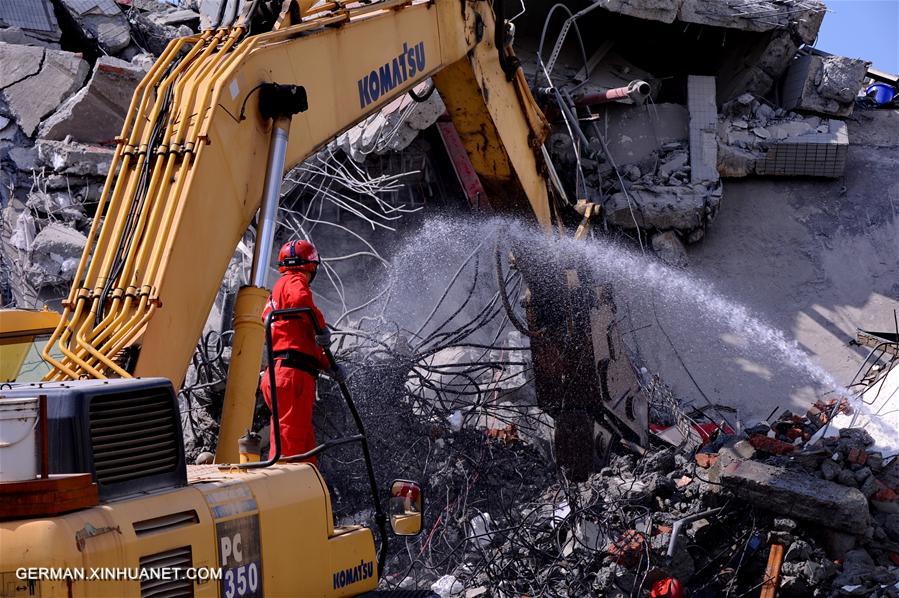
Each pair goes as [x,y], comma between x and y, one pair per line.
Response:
[406,507]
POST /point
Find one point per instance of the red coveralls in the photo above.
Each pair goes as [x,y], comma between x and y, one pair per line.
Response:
[296,387]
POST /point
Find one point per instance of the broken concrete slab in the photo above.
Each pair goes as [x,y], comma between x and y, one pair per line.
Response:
[798,495]
[817,154]
[95,114]
[756,70]
[54,256]
[674,163]
[34,96]
[652,10]
[143,61]
[776,56]
[735,162]
[763,15]
[683,208]
[448,587]
[18,63]
[787,146]
[176,17]
[74,158]
[824,84]
[393,128]
[760,16]
[20,37]
[29,22]
[24,158]
[102,21]
[210,13]
[152,36]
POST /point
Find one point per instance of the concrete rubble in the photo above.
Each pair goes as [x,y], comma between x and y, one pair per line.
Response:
[95,114]
[71,158]
[670,249]
[61,108]
[29,22]
[37,80]
[54,255]
[705,518]
[735,15]
[824,85]
[101,21]
[154,36]
[757,139]
[393,128]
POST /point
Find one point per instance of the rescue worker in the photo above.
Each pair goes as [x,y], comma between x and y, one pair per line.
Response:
[297,350]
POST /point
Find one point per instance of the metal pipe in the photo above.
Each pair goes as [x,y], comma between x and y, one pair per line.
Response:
[571,117]
[636,90]
[265,228]
[675,529]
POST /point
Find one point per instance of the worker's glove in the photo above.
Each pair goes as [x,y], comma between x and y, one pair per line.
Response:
[323,339]
[337,373]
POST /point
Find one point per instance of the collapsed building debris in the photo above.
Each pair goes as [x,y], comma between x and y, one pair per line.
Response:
[60,112]
[29,22]
[35,81]
[95,114]
[664,517]
[754,138]
[102,21]
[825,85]
[392,128]
[462,409]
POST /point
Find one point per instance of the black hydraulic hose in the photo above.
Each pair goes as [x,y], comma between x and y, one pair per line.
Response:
[425,96]
[323,447]
[503,294]
[274,452]
[136,207]
[380,516]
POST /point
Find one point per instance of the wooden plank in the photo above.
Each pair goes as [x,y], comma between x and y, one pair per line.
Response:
[56,481]
[60,493]
[772,571]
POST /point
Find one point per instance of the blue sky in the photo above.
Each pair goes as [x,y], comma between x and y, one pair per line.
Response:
[866,29]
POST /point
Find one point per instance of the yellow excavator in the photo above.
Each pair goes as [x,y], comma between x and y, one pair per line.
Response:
[210,132]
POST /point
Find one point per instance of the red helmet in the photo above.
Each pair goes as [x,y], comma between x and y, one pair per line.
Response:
[301,256]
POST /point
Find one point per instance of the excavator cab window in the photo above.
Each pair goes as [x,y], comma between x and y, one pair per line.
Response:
[23,334]
[20,359]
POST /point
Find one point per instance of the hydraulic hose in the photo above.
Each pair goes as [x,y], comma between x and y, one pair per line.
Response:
[380,516]
[504,296]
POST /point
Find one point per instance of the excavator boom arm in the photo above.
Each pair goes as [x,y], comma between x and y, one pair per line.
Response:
[188,173]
